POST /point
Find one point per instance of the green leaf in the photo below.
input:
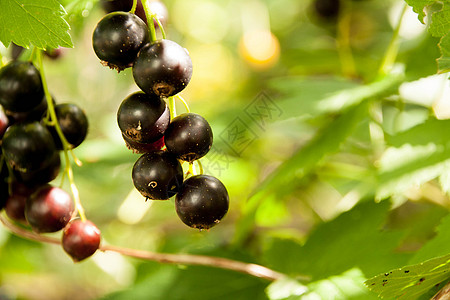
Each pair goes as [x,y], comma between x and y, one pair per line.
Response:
[419,6]
[440,24]
[30,22]
[352,240]
[411,281]
[318,96]
[431,131]
[347,286]
[444,60]
[285,289]
[437,246]
[306,158]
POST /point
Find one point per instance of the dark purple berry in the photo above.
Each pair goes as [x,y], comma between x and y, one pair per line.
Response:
[73,122]
[49,209]
[118,38]
[27,147]
[15,205]
[143,118]
[34,114]
[44,175]
[4,122]
[137,147]
[327,9]
[163,68]
[202,201]
[20,86]
[80,239]
[188,137]
[157,175]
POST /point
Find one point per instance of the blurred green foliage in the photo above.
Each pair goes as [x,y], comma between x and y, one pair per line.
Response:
[335,171]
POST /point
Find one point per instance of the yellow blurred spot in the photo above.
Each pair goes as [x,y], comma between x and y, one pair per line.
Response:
[260,48]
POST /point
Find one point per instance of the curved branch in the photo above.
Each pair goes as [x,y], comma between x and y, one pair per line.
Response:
[181,259]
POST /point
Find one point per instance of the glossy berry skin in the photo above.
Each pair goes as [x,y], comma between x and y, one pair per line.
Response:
[44,175]
[34,114]
[49,209]
[28,146]
[4,194]
[73,122]
[15,205]
[137,147]
[20,86]
[143,118]
[163,68]
[118,38]
[202,201]
[80,239]
[4,122]
[188,137]
[157,175]
[156,7]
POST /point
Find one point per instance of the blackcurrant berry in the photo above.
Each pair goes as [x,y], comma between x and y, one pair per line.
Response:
[188,137]
[20,86]
[44,175]
[156,7]
[73,122]
[143,118]
[28,146]
[49,209]
[4,122]
[202,201]
[80,239]
[163,68]
[118,38]
[327,9]
[34,114]
[15,205]
[4,193]
[137,147]
[157,175]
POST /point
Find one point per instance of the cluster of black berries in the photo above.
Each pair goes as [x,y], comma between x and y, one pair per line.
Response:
[161,69]
[30,159]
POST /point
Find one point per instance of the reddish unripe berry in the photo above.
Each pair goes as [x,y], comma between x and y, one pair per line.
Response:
[80,239]
[49,209]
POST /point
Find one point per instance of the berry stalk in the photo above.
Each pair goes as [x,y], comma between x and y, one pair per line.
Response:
[150,15]
[165,258]
[65,143]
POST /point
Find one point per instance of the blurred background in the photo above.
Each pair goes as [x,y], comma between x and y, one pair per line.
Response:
[260,68]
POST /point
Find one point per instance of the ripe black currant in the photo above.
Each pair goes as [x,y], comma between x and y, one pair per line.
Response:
[327,9]
[35,114]
[137,147]
[73,122]
[28,146]
[47,173]
[15,205]
[4,193]
[202,201]
[20,86]
[4,122]
[143,118]
[80,239]
[157,175]
[118,38]
[163,68]
[49,209]
[156,7]
[188,137]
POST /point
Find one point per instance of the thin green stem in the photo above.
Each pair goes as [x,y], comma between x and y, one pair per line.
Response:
[161,27]
[172,108]
[149,15]
[133,8]
[184,103]
[66,145]
[392,49]
[200,166]
[1,60]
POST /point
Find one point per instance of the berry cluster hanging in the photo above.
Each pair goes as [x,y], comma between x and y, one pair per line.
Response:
[149,126]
